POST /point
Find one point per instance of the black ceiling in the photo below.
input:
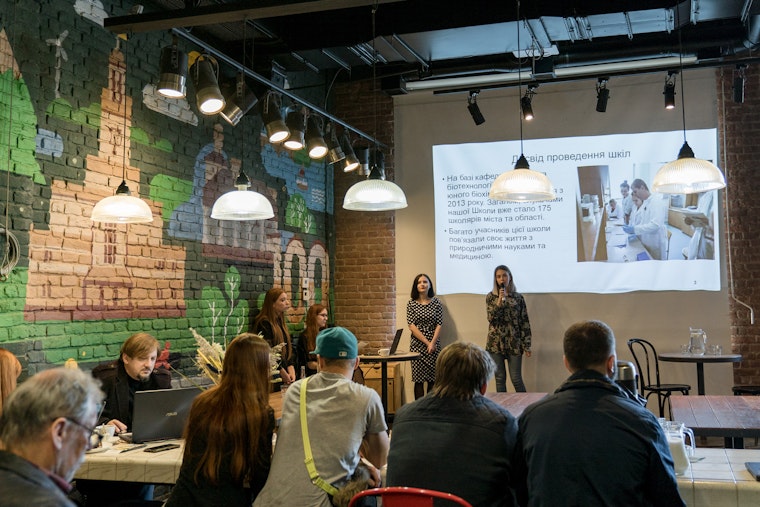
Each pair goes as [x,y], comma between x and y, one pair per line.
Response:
[427,40]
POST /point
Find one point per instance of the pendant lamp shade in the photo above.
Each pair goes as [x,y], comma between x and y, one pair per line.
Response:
[688,175]
[374,194]
[522,185]
[122,208]
[242,204]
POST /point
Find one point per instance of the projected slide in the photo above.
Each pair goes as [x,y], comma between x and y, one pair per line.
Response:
[596,236]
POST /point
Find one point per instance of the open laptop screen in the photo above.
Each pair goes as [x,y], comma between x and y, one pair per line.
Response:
[161,414]
[396,339]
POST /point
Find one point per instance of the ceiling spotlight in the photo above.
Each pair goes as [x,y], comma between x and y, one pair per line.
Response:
[315,143]
[472,106]
[296,123]
[208,96]
[526,103]
[276,129]
[602,94]
[670,90]
[739,83]
[334,150]
[172,75]
[239,99]
[351,162]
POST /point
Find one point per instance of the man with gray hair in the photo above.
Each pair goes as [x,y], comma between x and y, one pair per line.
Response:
[590,443]
[455,439]
[46,427]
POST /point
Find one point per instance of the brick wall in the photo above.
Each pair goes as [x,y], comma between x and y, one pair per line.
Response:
[739,130]
[365,251]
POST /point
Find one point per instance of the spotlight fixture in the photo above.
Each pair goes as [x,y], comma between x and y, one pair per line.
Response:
[670,90]
[472,106]
[239,99]
[362,153]
[122,208]
[208,96]
[602,94]
[351,162]
[739,83]
[276,129]
[315,143]
[296,123]
[686,174]
[526,103]
[334,151]
[521,184]
[172,75]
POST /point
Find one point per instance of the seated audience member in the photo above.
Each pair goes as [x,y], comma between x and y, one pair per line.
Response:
[340,415]
[47,424]
[589,443]
[455,439]
[133,371]
[228,437]
[316,321]
[10,369]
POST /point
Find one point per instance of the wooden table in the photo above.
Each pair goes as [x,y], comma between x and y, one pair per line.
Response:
[678,357]
[140,466]
[515,403]
[384,360]
[730,417]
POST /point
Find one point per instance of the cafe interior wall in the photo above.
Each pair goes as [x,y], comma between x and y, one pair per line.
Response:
[636,105]
[79,289]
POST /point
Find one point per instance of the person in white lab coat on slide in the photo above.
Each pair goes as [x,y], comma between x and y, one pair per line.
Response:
[651,219]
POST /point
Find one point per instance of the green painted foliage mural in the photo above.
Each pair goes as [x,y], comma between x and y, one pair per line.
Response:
[224,317]
[297,215]
[18,123]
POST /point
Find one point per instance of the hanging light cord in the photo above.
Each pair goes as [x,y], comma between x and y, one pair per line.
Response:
[680,66]
[519,78]
[374,77]
[124,99]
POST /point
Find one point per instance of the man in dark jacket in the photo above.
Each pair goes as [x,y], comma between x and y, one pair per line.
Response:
[133,371]
[590,444]
[455,439]
[46,427]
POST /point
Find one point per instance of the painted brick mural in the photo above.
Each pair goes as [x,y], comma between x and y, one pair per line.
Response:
[79,113]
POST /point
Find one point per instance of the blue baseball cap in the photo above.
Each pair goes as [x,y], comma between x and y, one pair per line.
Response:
[337,343]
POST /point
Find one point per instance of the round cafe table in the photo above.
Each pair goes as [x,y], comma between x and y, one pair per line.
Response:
[384,360]
[679,357]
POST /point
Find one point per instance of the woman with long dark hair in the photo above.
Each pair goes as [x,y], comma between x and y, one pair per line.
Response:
[270,323]
[228,437]
[509,333]
[316,321]
[424,315]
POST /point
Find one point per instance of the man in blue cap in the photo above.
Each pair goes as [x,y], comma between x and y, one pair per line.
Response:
[340,416]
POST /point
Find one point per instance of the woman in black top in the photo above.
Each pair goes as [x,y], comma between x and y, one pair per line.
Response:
[270,323]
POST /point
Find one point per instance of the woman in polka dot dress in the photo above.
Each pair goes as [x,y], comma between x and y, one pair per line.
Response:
[424,314]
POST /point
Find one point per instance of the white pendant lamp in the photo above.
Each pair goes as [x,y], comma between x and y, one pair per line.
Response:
[242,204]
[122,208]
[521,184]
[686,174]
[374,194]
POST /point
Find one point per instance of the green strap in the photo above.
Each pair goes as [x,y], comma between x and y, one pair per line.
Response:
[313,474]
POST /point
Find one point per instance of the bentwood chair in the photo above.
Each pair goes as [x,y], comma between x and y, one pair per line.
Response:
[648,365]
[408,497]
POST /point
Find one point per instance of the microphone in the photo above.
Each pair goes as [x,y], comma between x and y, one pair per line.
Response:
[504,297]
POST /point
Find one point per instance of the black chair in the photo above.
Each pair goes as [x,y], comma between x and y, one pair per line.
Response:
[649,375]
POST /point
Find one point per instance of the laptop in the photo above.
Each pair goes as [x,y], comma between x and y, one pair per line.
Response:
[396,339]
[161,414]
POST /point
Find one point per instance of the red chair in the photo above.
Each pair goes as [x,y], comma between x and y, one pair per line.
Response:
[408,497]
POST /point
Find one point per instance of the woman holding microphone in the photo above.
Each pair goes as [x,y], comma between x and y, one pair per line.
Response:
[508,329]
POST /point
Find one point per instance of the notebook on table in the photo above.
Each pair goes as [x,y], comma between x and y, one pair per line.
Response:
[160,414]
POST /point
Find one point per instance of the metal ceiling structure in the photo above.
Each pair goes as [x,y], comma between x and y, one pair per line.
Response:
[452,45]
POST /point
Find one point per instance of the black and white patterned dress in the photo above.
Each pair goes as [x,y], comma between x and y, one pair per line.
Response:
[426,317]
